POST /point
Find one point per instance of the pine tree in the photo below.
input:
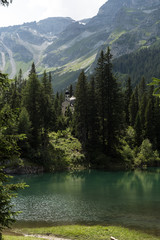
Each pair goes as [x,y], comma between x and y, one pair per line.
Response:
[47,108]
[142,88]
[14,97]
[24,124]
[81,110]
[9,152]
[138,129]
[127,99]
[57,105]
[157,121]
[24,127]
[109,102]
[71,91]
[133,107]
[33,69]
[68,115]
[20,81]
[142,110]
[149,122]
[100,95]
[50,88]
[92,115]
[32,102]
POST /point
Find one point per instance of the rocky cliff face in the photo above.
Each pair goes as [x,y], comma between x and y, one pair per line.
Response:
[64,46]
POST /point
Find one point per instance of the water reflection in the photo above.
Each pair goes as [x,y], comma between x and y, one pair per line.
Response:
[128,198]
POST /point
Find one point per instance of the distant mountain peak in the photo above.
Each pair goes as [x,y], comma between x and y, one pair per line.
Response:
[115,5]
[65,46]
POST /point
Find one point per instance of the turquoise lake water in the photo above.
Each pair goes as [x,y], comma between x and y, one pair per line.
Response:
[130,199]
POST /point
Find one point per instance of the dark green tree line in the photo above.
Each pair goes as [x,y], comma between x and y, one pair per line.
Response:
[9,152]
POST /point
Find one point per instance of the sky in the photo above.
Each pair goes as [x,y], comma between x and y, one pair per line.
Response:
[21,11]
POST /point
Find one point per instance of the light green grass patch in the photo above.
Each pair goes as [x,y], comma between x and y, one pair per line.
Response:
[116,35]
[78,232]
[23,66]
[80,63]
[142,42]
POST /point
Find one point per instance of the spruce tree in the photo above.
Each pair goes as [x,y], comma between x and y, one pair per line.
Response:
[9,152]
[33,69]
[127,99]
[50,87]
[92,115]
[142,88]
[20,81]
[100,96]
[138,130]
[71,91]
[149,122]
[47,108]
[142,110]
[157,121]
[109,102]
[81,110]
[32,102]
[133,107]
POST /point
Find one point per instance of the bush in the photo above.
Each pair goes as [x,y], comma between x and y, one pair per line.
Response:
[146,156]
[66,150]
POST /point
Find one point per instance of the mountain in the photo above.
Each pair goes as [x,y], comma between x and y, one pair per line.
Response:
[65,46]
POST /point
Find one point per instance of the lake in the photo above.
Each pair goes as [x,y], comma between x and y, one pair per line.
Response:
[130,199]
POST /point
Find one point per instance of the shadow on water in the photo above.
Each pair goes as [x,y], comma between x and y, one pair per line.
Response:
[130,199]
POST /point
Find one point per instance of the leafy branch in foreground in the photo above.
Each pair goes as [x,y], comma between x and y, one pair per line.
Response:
[7,192]
[9,152]
[5,2]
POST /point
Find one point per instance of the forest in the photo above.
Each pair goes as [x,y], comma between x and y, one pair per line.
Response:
[109,127]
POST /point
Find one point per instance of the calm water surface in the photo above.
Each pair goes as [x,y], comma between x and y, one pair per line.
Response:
[130,199]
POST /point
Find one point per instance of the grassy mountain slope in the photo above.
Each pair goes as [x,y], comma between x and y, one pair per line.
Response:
[64,46]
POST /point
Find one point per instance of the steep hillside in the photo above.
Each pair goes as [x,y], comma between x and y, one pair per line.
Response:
[23,44]
[64,46]
[142,63]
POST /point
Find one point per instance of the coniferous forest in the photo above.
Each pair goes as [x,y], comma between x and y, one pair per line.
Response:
[108,127]
[79,122]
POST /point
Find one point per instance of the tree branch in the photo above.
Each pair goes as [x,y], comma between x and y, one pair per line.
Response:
[5,2]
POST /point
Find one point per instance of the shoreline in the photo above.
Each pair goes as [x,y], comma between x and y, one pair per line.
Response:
[78,232]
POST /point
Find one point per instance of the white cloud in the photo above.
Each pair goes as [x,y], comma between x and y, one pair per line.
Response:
[21,11]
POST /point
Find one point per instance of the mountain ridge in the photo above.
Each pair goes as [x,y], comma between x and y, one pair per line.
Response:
[64,46]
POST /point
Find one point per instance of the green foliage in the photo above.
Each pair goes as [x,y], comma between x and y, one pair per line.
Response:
[101,119]
[127,99]
[66,150]
[127,148]
[146,155]
[133,107]
[5,2]
[24,127]
[8,154]
[109,102]
[9,150]
[7,192]
[81,109]
[31,101]
[133,156]
[156,82]
[144,62]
